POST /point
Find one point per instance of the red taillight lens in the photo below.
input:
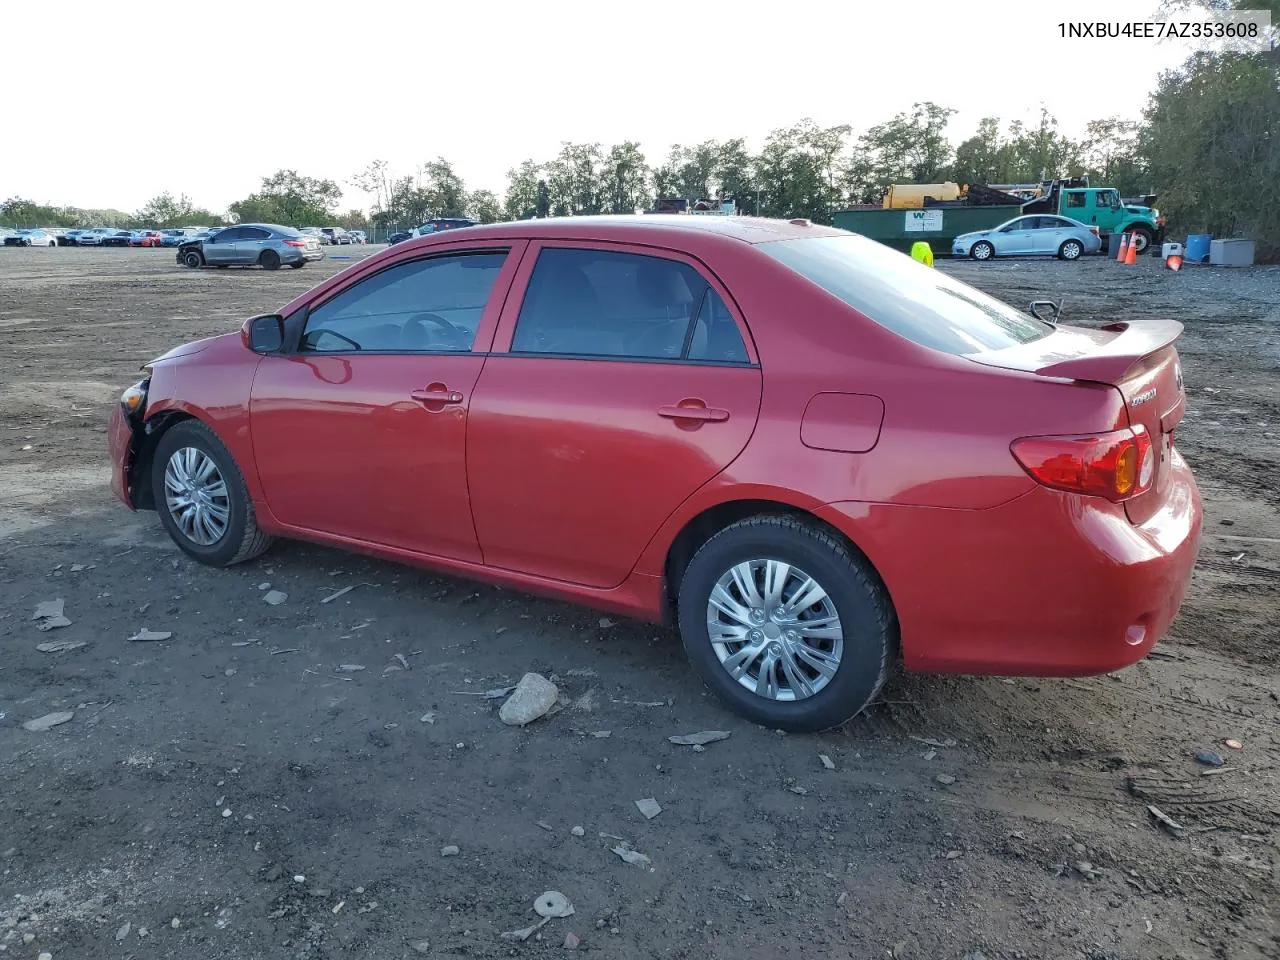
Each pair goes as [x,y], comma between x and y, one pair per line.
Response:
[1094,231]
[1116,465]
[295,243]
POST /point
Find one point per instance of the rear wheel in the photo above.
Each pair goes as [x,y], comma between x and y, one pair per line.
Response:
[299,265]
[785,624]
[982,250]
[202,499]
[270,260]
[1142,237]
[193,259]
[1070,250]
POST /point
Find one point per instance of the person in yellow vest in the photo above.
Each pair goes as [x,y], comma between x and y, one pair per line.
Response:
[920,250]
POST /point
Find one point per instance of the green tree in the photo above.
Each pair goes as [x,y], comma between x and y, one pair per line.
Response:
[483,206]
[166,211]
[445,193]
[911,147]
[575,179]
[1041,152]
[288,198]
[981,158]
[521,199]
[799,171]
[1111,157]
[625,178]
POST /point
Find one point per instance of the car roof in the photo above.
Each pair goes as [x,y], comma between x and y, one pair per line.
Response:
[641,227]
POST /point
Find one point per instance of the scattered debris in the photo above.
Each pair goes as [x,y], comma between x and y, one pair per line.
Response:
[928,754]
[602,734]
[649,807]
[400,664]
[578,832]
[226,813]
[49,615]
[607,622]
[954,854]
[175,923]
[534,695]
[349,667]
[275,597]
[631,856]
[1164,818]
[826,761]
[277,651]
[1230,744]
[449,851]
[701,738]
[340,593]
[945,779]
[428,718]
[338,906]
[546,826]
[1214,771]
[244,643]
[580,672]
[930,742]
[421,946]
[553,904]
[1237,558]
[840,900]
[60,646]
[1209,758]
[797,789]
[571,941]
[299,878]
[144,635]
[48,721]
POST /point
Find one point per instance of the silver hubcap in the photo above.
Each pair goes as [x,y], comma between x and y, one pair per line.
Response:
[196,496]
[775,630]
[982,252]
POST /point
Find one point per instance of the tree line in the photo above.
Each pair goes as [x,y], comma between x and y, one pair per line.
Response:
[1208,144]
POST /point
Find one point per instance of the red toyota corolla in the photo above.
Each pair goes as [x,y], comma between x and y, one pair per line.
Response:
[811,454]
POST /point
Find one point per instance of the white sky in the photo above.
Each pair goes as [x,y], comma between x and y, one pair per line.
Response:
[112,103]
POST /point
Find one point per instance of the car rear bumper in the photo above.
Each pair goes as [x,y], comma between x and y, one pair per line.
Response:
[1049,584]
[120,448]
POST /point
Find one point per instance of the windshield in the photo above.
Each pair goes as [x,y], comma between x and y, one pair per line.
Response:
[920,303]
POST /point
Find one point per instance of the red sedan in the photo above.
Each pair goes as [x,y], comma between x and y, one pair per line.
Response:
[811,454]
[146,238]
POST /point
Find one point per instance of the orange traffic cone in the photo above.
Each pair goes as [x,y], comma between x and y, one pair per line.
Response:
[1173,262]
[1131,256]
[1124,247]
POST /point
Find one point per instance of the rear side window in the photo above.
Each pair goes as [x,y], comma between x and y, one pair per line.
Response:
[603,303]
[431,305]
[254,233]
[920,303]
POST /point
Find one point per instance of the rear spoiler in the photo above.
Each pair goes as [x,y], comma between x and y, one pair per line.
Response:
[1134,340]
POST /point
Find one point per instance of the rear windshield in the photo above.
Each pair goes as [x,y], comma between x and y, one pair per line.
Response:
[920,303]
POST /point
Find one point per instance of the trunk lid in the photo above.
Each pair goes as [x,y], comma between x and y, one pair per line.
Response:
[1139,359]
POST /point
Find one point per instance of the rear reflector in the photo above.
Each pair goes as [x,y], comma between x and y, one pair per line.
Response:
[1118,465]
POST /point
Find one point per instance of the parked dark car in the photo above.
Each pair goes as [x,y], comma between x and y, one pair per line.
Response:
[69,238]
[267,245]
[119,238]
[810,453]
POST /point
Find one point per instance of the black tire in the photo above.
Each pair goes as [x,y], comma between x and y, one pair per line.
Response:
[269,260]
[1142,237]
[241,540]
[299,265]
[1070,250]
[193,259]
[868,624]
[982,250]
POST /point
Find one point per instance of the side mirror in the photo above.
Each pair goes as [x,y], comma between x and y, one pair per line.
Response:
[264,334]
[1057,310]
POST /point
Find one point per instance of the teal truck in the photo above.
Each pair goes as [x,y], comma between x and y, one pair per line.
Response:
[940,222]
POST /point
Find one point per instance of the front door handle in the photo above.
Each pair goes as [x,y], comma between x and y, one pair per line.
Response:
[693,410]
[436,393]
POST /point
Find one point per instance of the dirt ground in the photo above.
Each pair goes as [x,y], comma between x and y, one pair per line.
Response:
[239,792]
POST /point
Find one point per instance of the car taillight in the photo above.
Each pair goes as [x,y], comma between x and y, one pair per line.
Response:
[295,243]
[1094,231]
[1118,465]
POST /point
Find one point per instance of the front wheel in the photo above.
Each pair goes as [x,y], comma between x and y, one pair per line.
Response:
[1142,237]
[270,260]
[1070,250]
[201,497]
[785,624]
[982,250]
[193,259]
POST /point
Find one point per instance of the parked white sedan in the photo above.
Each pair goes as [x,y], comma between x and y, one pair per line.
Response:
[1032,236]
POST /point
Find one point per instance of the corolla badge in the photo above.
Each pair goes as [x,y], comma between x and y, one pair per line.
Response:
[1144,397]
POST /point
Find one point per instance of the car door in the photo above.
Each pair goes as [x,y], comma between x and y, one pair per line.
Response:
[221,247]
[359,430]
[621,381]
[1014,239]
[248,245]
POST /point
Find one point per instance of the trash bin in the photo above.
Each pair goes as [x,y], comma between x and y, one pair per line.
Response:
[1198,247]
[1113,243]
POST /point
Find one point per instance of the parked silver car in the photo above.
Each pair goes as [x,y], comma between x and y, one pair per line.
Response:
[94,236]
[268,245]
[1032,236]
[34,237]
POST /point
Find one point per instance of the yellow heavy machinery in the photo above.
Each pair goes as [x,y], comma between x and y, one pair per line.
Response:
[912,196]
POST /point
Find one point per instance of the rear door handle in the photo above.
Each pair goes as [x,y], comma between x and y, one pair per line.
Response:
[436,393]
[696,410]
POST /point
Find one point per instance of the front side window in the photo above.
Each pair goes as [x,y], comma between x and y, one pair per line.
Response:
[1075,199]
[431,305]
[921,304]
[604,303]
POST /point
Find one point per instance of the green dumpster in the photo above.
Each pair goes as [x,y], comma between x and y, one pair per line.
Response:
[938,226]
